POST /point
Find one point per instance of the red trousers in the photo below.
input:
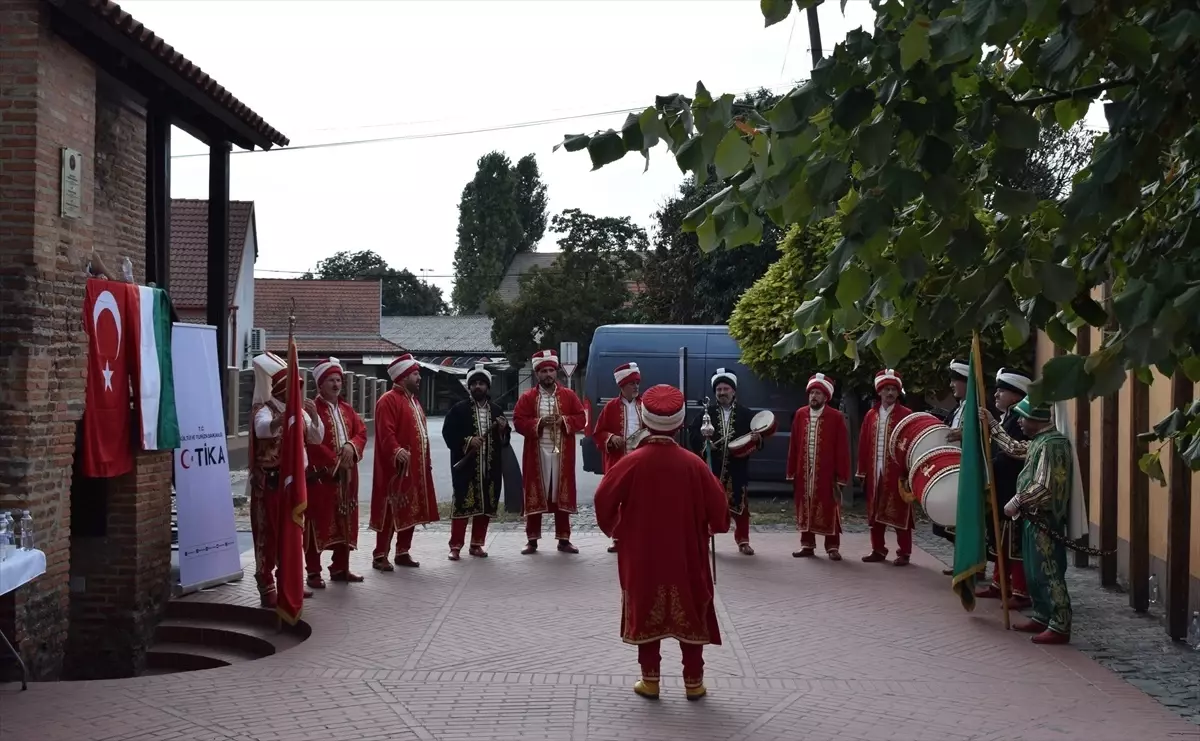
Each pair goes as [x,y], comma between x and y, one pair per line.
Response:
[693,662]
[264,524]
[808,539]
[1016,578]
[341,559]
[383,540]
[562,524]
[903,540]
[458,530]
[741,527]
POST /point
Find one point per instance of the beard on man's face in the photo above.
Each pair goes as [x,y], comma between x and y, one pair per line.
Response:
[479,391]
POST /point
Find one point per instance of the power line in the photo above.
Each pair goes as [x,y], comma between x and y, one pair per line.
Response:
[443,134]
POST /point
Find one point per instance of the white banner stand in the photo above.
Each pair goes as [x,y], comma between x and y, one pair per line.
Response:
[208,542]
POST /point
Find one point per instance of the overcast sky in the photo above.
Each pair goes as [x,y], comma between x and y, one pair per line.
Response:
[323,71]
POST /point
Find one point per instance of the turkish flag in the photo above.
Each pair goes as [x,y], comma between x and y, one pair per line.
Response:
[292,462]
[110,318]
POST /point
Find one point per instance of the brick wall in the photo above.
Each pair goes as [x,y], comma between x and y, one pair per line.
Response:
[128,565]
[46,102]
[49,99]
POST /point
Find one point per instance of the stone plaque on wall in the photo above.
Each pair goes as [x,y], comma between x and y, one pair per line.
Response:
[72,184]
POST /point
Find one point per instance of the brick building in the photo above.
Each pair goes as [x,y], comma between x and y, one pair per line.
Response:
[333,317]
[82,79]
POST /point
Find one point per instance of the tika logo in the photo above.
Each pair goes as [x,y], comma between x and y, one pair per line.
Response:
[202,456]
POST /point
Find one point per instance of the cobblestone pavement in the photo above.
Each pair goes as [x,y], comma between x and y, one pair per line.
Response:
[517,647]
[1104,627]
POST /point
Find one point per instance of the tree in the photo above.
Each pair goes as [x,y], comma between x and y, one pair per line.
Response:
[764,314]
[502,212]
[928,117]
[403,293]
[587,286]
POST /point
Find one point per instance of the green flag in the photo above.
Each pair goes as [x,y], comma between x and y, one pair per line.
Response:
[970,539]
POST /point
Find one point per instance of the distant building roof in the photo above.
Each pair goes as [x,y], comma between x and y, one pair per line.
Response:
[189,250]
[335,345]
[448,335]
[333,308]
[510,285]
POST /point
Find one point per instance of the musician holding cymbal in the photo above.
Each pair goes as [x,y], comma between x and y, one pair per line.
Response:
[476,432]
[616,430]
[732,443]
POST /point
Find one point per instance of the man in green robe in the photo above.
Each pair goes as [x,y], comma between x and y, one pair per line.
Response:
[1043,501]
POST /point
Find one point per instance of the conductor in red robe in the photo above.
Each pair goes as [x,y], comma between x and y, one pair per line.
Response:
[617,427]
[548,417]
[331,520]
[402,494]
[881,476]
[818,466]
[662,502]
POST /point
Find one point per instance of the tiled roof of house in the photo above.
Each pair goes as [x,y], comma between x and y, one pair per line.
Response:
[510,285]
[335,345]
[331,308]
[451,335]
[111,13]
[189,249]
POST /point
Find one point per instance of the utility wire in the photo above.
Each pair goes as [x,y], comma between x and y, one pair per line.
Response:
[443,134]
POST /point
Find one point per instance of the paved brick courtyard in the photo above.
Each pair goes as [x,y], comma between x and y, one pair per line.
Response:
[519,647]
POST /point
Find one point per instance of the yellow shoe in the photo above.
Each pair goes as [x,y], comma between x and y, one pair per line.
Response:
[695,692]
[647,688]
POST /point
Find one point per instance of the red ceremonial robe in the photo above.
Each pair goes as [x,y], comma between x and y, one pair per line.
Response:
[613,421]
[408,500]
[661,502]
[333,495]
[818,462]
[525,420]
[884,503]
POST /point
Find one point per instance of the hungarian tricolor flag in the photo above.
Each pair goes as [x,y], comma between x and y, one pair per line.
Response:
[292,461]
[970,533]
[159,427]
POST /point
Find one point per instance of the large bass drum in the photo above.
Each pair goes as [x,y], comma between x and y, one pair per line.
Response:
[934,483]
[913,436]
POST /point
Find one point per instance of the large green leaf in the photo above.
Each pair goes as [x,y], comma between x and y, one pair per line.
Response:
[1016,129]
[573,142]
[732,154]
[1063,377]
[811,313]
[914,44]
[852,285]
[893,345]
[1015,202]
[875,143]
[1058,283]
[853,106]
[774,11]
[706,233]
[605,148]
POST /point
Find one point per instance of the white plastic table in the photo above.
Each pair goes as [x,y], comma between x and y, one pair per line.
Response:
[21,567]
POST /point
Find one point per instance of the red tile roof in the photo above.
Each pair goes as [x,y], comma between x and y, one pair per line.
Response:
[331,308]
[112,14]
[189,250]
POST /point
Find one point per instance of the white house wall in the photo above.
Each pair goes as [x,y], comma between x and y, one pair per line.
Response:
[244,297]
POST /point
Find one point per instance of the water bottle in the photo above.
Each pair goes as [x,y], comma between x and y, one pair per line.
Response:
[26,531]
[5,537]
[1193,636]
[1153,589]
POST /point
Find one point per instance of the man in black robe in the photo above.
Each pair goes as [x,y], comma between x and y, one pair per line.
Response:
[477,434]
[1012,385]
[730,421]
